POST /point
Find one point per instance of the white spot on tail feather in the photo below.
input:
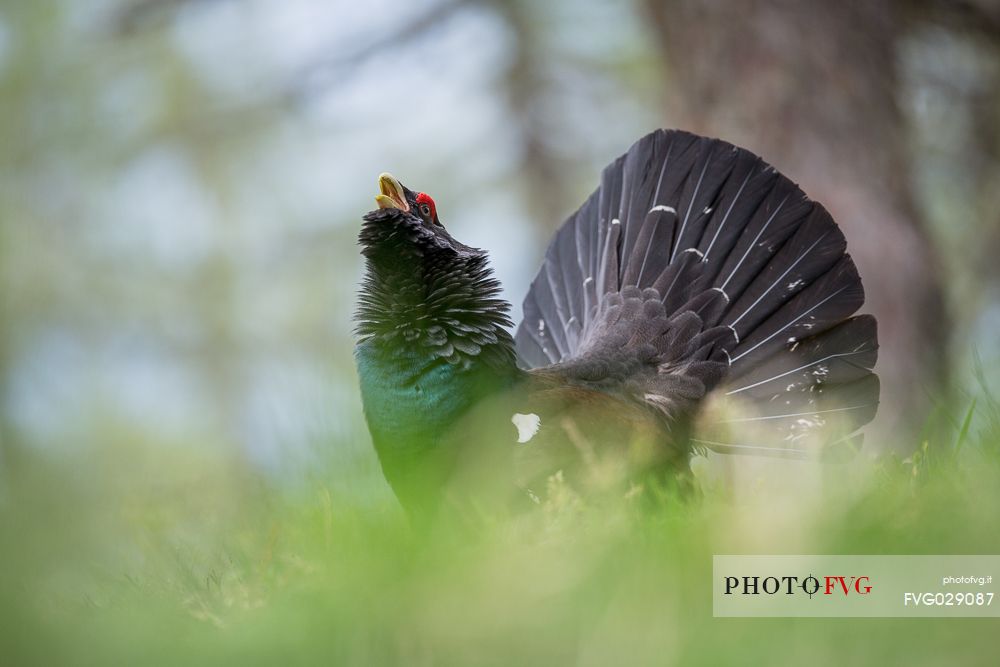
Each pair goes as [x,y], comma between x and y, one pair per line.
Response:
[724,295]
[661,207]
[527,425]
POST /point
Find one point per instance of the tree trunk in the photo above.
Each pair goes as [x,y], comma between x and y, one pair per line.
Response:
[810,85]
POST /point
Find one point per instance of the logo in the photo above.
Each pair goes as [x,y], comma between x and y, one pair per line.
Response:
[793,585]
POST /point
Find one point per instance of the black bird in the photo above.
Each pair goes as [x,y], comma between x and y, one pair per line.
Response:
[697,299]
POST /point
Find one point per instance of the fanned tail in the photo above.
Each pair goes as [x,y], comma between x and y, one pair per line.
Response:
[722,241]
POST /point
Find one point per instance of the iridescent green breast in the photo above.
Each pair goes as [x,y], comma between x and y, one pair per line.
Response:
[411,399]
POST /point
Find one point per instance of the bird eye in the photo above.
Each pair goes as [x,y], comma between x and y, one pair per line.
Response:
[425,207]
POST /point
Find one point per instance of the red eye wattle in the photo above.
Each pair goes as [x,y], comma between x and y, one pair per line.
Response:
[424,200]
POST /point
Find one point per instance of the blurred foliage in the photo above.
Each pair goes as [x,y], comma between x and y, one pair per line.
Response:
[193,560]
[182,182]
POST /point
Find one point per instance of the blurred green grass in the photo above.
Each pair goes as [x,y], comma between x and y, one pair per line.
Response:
[126,554]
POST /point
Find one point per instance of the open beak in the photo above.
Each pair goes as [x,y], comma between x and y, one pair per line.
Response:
[391,193]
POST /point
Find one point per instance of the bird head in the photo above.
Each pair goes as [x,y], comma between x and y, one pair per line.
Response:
[406,225]
[393,194]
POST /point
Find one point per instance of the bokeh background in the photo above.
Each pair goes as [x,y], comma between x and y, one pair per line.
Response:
[182,181]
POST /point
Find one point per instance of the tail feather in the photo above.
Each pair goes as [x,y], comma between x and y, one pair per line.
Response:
[587,239]
[533,348]
[749,184]
[609,202]
[648,256]
[701,192]
[675,282]
[811,251]
[807,420]
[842,355]
[763,235]
[746,268]
[563,271]
[821,305]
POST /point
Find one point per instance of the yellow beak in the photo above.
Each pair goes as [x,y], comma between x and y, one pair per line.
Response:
[392,195]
